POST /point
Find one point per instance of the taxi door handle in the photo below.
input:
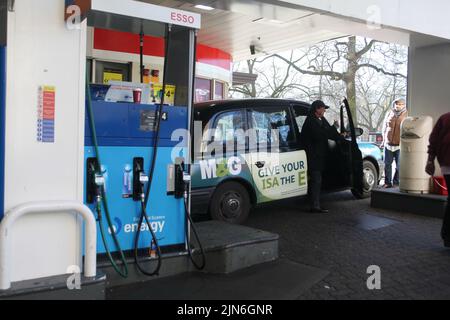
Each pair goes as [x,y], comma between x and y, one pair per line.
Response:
[260,164]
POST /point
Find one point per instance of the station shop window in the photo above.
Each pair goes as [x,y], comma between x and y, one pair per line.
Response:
[202,89]
[219,90]
[106,71]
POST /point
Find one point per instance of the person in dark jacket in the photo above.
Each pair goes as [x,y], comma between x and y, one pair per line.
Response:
[315,135]
[440,148]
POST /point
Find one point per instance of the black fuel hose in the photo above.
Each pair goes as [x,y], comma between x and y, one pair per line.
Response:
[151,174]
[124,273]
[190,222]
[136,244]
[145,217]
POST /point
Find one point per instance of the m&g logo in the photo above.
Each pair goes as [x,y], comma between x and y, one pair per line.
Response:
[212,169]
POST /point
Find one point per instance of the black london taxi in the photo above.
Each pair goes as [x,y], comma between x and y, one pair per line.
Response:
[248,152]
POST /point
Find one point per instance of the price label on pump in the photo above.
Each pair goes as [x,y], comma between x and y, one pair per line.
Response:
[46,114]
[169,96]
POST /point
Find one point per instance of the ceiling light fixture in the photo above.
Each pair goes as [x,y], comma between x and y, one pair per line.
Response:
[263,20]
[276,21]
[203,7]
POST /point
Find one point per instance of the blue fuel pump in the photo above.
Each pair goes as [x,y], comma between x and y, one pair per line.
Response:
[125,133]
[147,212]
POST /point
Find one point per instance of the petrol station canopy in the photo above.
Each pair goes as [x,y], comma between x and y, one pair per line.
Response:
[274,25]
[133,16]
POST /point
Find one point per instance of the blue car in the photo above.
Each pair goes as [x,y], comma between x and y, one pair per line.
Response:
[373,165]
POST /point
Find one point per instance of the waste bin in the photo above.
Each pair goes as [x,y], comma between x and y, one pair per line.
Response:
[415,134]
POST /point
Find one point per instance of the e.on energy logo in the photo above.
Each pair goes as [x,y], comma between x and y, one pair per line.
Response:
[119,227]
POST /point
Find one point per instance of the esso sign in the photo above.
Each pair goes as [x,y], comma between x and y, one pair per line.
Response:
[183,18]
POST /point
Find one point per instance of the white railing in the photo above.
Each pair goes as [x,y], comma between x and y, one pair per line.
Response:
[90,264]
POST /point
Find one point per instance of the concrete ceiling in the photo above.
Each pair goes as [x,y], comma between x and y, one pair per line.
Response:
[234,25]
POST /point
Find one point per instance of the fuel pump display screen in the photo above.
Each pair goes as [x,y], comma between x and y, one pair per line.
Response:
[148,121]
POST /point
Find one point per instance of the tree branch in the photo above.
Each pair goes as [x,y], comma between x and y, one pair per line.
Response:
[336,75]
[366,49]
[381,70]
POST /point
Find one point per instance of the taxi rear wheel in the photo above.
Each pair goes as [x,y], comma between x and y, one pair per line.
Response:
[370,180]
[230,203]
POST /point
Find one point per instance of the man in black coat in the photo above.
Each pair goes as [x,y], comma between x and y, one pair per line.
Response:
[315,135]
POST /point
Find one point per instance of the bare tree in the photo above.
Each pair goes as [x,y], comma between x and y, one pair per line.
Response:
[369,72]
[340,61]
[275,80]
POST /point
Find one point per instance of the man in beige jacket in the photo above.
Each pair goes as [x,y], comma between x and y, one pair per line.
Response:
[391,135]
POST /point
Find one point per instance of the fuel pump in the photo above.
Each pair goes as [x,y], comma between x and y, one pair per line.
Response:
[135,144]
[182,187]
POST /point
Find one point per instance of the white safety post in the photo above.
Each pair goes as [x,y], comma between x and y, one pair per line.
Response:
[90,264]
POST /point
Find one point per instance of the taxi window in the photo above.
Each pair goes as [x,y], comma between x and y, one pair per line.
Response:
[300,114]
[264,120]
[229,126]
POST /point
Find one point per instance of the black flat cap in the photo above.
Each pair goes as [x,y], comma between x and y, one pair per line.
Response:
[319,104]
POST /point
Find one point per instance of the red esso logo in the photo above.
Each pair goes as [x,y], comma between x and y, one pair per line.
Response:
[182,18]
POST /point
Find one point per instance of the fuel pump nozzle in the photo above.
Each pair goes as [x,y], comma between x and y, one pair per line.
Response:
[99,181]
[187,184]
[96,184]
[143,179]
[140,180]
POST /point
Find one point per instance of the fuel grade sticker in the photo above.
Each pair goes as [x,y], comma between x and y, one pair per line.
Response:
[46,114]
